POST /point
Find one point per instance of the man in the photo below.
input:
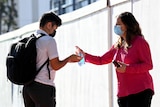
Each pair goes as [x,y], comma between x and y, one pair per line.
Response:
[41,92]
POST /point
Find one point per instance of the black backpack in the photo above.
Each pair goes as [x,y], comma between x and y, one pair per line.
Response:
[21,61]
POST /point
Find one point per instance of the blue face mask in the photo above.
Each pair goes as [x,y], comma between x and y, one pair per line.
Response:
[118,30]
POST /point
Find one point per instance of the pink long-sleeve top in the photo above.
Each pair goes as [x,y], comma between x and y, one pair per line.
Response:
[138,59]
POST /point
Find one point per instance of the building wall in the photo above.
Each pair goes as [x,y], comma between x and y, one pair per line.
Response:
[29,11]
[91,28]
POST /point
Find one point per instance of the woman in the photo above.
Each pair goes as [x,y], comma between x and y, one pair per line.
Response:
[133,61]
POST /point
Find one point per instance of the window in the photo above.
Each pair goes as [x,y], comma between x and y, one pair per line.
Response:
[66,6]
[114,2]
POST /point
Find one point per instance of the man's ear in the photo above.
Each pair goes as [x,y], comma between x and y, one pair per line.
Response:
[49,24]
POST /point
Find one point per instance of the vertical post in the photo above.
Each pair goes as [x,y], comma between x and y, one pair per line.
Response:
[74,4]
[59,7]
[51,3]
[1,9]
[110,69]
[89,1]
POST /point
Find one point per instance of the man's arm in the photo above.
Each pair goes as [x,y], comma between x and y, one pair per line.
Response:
[56,64]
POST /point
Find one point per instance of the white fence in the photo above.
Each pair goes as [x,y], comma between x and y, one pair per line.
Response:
[91,28]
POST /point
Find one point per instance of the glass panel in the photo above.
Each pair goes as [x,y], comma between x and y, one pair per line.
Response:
[65,6]
[114,2]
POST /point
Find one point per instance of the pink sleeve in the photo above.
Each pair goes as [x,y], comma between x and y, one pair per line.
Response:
[100,60]
[144,62]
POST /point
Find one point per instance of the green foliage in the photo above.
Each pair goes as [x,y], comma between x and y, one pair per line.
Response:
[8,15]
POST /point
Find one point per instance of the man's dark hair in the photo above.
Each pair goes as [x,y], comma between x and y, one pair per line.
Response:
[50,17]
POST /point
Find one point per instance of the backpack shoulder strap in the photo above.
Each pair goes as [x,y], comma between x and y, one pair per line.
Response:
[41,35]
[47,61]
[43,65]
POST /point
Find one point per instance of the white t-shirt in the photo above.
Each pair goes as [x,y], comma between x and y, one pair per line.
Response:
[46,48]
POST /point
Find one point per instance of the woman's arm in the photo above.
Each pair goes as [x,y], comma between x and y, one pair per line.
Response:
[100,60]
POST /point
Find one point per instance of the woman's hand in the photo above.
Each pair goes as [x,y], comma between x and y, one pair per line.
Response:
[122,67]
[79,51]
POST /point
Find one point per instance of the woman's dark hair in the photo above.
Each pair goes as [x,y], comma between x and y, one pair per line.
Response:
[50,17]
[132,26]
